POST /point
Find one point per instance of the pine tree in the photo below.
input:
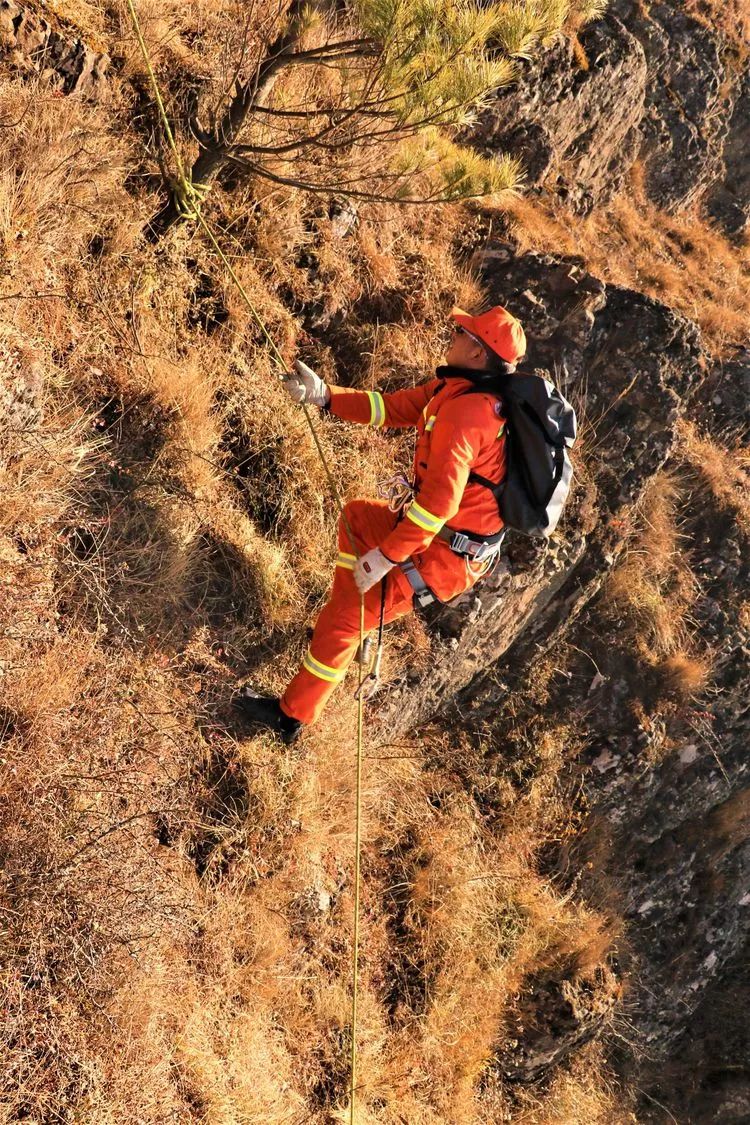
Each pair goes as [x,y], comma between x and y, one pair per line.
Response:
[364,100]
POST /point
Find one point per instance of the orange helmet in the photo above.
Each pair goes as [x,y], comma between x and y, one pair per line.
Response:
[497,329]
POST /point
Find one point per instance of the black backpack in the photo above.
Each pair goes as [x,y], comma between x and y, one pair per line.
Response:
[540,429]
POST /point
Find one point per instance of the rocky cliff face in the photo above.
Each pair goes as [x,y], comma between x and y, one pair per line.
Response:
[672,836]
[661,783]
[575,128]
[628,363]
[57,56]
[647,83]
[729,197]
[665,787]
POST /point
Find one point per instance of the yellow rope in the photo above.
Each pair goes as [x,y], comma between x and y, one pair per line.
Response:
[357,841]
[157,92]
[189,197]
[280,361]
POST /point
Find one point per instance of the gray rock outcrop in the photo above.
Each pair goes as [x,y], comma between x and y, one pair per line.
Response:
[729,198]
[646,83]
[686,110]
[61,59]
[666,794]
[574,124]
[665,789]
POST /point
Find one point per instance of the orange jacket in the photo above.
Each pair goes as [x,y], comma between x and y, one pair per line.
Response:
[457,433]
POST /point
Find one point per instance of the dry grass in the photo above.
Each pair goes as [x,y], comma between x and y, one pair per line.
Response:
[732,19]
[654,591]
[725,471]
[179,899]
[582,1095]
[681,260]
[685,675]
[653,584]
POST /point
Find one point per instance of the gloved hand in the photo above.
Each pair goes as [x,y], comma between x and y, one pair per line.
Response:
[305,386]
[370,568]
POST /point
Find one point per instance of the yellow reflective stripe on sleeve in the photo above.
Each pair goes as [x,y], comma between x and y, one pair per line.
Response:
[377,408]
[346,561]
[323,671]
[430,423]
[424,519]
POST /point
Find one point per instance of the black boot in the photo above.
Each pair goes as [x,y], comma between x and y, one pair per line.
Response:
[264,711]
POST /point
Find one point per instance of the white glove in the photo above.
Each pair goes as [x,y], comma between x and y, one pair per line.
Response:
[306,386]
[370,568]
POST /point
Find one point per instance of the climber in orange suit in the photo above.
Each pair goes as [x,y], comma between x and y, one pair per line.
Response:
[439,533]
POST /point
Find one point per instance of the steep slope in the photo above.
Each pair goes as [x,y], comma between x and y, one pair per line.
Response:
[555,787]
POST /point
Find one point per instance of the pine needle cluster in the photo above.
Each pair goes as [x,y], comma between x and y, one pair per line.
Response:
[441,61]
[435,58]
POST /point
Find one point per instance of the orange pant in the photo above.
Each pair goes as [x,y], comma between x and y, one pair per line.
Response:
[336,635]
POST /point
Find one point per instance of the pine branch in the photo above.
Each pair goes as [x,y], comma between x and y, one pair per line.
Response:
[398,70]
[211,156]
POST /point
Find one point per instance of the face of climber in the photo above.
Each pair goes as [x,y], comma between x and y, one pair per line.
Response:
[465,350]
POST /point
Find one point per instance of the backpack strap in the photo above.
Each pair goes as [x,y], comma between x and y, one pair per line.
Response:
[476,478]
[495,486]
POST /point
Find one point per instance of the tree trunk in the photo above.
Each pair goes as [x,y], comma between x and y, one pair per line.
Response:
[212,154]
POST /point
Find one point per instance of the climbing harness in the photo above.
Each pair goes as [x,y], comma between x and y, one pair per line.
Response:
[188,198]
[481,553]
[423,595]
[478,550]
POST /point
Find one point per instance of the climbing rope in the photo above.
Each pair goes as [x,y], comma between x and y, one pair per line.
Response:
[188,197]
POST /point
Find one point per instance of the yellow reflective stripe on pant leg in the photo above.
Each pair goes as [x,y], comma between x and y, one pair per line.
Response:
[430,423]
[323,671]
[424,519]
[377,408]
[346,561]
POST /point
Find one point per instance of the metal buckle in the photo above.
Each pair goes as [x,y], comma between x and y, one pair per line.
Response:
[424,598]
[477,552]
[460,543]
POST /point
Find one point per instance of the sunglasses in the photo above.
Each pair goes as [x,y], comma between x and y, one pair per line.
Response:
[459,331]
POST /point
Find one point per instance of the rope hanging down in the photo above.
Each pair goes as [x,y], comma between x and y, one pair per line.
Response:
[189,197]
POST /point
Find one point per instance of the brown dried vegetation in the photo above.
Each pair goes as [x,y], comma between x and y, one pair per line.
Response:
[724,470]
[654,583]
[682,259]
[654,588]
[177,897]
